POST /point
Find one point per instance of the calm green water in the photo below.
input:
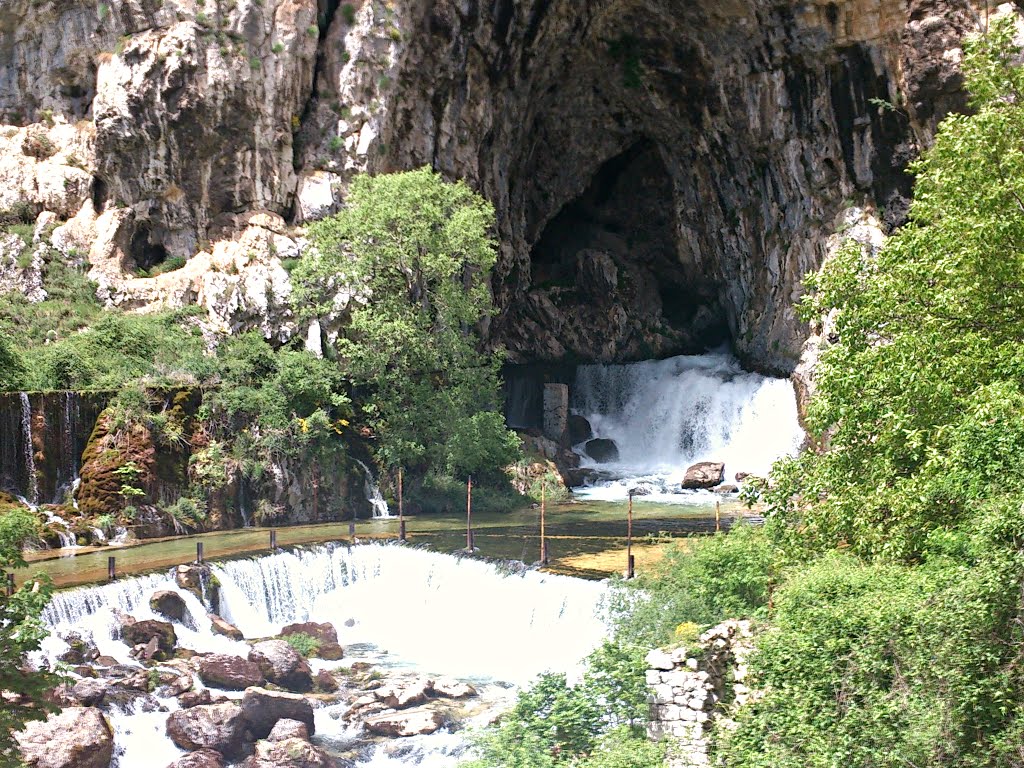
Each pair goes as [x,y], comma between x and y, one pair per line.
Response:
[572,529]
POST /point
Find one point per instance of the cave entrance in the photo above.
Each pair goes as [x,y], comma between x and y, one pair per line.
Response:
[144,252]
[609,263]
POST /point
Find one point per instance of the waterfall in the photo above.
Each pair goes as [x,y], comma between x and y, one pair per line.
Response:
[32,491]
[378,503]
[67,468]
[667,415]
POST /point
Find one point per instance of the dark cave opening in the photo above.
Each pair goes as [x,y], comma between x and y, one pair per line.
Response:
[144,252]
[609,261]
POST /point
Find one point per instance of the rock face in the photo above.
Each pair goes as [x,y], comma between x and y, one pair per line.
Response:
[220,727]
[230,672]
[77,737]
[142,632]
[706,474]
[282,664]
[672,171]
[602,450]
[168,604]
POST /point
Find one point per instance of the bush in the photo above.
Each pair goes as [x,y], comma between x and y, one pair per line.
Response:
[305,644]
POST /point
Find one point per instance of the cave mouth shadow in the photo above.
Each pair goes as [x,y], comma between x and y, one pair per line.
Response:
[612,263]
[146,254]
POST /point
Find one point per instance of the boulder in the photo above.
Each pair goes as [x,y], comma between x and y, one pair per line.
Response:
[579,429]
[409,722]
[725,489]
[220,727]
[325,682]
[705,474]
[288,729]
[204,758]
[741,476]
[404,693]
[226,628]
[602,450]
[141,632]
[282,664]
[77,737]
[168,604]
[290,753]
[195,698]
[263,708]
[234,673]
[325,634]
[79,650]
[452,689]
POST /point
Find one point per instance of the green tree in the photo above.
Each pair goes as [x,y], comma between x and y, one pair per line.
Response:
[21,633]
[421,252]
[12,367]
[920,400]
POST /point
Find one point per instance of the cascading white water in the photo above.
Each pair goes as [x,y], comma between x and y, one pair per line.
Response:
[393,605]
[373,495]
[32,491]
[669,414]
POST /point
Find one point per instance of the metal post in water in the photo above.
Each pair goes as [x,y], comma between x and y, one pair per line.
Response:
[630,570]
[469,515]
[111,568]
[401,512]
[718,516]
[352,527]
[10,584]
[543,541]
[273,539]
[199,552]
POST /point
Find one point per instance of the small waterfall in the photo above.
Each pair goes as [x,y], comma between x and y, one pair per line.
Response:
[67,467]
[373,495]
[62,529]
[667,415]
[32,491]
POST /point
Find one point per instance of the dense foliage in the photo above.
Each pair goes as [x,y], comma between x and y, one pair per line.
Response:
[20,633]
[422,251]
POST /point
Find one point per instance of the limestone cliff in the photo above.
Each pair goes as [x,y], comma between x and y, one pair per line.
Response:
[664,172]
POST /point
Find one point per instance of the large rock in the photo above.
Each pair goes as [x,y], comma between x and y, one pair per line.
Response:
[404,693]
[325,634]
[220,727]
[579,429]
[408,722]
[142,632]
[203,758]
[288,729]
[263,708]
[282,664]
[231,672]
[168,604]
[222,627]
[602,450]
[289,753]
[77,737]
[706,474]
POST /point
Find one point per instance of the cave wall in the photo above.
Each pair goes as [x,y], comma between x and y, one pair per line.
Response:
[683,162]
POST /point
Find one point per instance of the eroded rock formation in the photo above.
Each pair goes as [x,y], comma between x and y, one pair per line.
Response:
[664,173]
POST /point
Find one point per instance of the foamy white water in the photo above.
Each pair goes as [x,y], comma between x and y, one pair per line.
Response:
[667,415]
[393,605]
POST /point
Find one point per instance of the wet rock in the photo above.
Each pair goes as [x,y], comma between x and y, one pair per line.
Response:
[263,708]
[141,632]
[602,450]
[452,689]
[726,489]
[289,753]
[148,651]
[741,476]
[288,729]
[90,693]
[198,579]
[579,429]
[282,664]
[226,628]
[77,737]
[79,650]
[231,672]
[168,604]
[325,634]
[409,722]
[403,693]
[219,727]
[325,681]
[203,758]
[106,661]
[174,685]
[705,474]
[194,698]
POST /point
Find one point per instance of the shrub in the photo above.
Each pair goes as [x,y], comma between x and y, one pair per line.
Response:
[305,644]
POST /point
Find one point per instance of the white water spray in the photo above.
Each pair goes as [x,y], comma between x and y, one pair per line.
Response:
[373,495]
[667,415]
[30,461]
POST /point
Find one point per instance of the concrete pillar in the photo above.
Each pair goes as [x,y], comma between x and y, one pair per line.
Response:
[556,411]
